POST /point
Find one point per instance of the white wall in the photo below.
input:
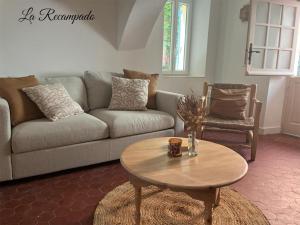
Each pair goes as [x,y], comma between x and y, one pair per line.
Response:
[124,8]
[60,47]
[139,24]
[213,40]
[199,37]
[46,47]
[274,105]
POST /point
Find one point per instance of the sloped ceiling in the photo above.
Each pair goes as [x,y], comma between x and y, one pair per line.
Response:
[136,19]
[125,24]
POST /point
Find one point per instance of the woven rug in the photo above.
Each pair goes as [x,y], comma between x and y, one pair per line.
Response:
[174,208]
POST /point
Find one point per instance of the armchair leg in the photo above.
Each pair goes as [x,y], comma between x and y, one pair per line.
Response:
[254,145]
[201,132]
[249,137]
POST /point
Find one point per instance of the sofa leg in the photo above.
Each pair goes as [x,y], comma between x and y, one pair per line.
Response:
[254,145]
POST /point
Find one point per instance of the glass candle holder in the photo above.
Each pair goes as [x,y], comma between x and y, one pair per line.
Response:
[175,147]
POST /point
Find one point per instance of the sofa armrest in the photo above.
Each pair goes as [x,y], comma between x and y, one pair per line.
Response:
[167,102]
[5,141]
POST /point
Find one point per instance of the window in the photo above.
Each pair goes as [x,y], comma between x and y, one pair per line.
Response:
[177,14]
[273,35]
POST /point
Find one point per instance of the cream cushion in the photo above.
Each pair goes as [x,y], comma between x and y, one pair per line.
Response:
[127,123]
[43,134]
[129,94]
[152,88]
[53,100]
[73,84]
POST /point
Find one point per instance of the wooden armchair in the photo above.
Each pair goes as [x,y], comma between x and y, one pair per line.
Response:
[249,126]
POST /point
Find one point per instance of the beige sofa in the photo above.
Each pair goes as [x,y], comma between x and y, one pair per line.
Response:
[99,135]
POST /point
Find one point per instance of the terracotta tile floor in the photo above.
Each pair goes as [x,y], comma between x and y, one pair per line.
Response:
[70,197]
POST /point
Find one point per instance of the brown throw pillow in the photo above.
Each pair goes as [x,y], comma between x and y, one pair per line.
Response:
[229,103]
[21,107]
[152,85]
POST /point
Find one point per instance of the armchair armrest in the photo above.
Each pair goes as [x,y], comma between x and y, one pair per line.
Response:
[257,111]
[5,141]
[167,102]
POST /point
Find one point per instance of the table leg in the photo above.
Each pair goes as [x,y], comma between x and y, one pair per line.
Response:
[209,197]
[217,202]
[138,201]
[208,212]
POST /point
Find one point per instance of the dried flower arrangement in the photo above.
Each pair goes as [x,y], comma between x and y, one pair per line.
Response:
[191,109]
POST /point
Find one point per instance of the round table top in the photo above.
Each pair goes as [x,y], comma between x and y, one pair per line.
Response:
[215,165]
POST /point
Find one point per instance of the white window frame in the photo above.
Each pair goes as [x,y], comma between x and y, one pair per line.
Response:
[251,35]
[173,40]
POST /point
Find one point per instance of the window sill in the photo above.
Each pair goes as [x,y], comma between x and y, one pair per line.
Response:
[181,76]
[262,73]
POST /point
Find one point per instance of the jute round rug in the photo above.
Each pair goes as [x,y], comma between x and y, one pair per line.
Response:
[171,208]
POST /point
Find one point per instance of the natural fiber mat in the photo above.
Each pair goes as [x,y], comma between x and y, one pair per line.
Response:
[171,208]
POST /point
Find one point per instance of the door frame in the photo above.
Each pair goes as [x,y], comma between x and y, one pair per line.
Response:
[286,112]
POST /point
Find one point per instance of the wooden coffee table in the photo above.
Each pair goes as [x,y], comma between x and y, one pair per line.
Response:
[201,177]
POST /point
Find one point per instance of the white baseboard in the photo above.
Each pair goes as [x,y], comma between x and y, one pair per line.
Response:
[294,135]
[269,130]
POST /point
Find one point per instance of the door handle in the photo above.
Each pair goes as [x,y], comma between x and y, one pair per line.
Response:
[250,52]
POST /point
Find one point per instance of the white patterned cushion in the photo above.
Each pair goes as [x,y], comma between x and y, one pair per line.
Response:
[74,85]
[53,100]
[129,94]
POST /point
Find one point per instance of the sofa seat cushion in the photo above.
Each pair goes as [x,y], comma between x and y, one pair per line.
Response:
[127,123]
[44,134]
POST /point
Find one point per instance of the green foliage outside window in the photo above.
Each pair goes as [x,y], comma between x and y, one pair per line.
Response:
[167,39]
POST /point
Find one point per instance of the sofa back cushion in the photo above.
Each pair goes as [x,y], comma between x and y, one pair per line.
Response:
[99,88]
[74,85]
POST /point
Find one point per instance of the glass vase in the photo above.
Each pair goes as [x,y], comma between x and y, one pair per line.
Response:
[192,144]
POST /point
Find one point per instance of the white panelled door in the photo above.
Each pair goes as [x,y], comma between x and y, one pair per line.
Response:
[272,37]
[291,120]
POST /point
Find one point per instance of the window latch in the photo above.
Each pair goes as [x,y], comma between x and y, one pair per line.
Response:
[250,52]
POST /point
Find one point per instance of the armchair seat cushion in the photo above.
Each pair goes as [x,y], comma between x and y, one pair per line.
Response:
[127,123]
[44,134]
[247,124]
